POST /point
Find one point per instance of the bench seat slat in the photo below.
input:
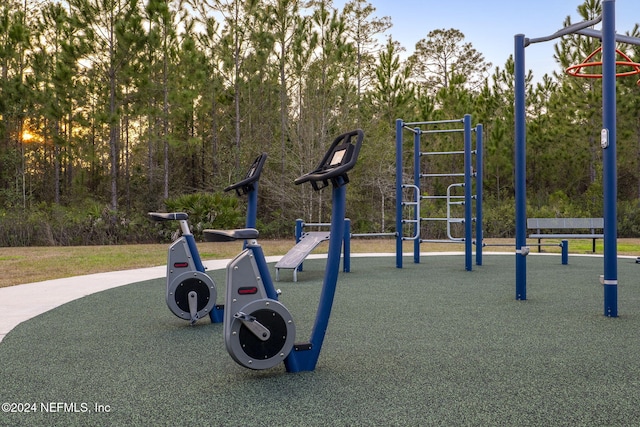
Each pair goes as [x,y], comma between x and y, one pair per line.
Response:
[566,236]
[565,223]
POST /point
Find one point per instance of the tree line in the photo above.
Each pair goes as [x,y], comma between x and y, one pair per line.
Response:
[112,108]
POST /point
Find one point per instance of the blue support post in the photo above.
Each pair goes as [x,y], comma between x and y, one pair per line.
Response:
[346,256]
[217,311]
[417,136]
[468,203]
[252,209]
[252,206]
[520,165]
[608,139]
[479,192]
[399,126]
[565,252]
[265,273]
[306,360]
[299,230]
[195,255]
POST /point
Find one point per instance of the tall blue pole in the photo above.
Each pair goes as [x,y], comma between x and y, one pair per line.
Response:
[298,233]
[252,206]
[468,211]
[399,126]
[608,142]
[417,136]
[307,360]
[346,246]
[479,191]
[252,209]
[521,170]
[333,266]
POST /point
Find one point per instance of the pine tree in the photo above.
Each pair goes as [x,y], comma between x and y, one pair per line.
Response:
[114,29]
[442,56]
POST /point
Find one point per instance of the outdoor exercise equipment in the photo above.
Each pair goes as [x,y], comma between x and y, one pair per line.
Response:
[259,331]
[191,293]
[608,137]
[578,70]
[463,180]
[306,242]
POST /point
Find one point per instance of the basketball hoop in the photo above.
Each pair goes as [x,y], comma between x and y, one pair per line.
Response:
[578,70]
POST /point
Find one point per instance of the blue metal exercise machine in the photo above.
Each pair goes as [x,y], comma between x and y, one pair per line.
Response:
[259,331]
[191,293]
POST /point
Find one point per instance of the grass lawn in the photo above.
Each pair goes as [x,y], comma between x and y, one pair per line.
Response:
[34,264]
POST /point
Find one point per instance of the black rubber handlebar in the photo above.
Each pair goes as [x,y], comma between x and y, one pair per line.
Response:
[171,216]
[339,159]
[246,185]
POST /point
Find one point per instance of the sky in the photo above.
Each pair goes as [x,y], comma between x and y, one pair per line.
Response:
[490,25]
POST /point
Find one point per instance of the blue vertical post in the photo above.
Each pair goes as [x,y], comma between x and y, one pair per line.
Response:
[520,165]
[479,192]
[565,252]
[299,228]
[346,245]
[195,255]
[468,204]
[417,136]
[252,206]
[252,209]
[608,139]
[399,126]
[333,266]
[307,360]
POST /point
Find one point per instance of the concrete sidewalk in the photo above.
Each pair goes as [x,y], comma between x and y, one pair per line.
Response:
[22,302]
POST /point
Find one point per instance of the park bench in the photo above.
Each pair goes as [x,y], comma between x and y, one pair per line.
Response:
[560,228]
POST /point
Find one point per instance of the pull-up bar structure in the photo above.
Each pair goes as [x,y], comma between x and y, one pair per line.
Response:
[608,137]
[465,177]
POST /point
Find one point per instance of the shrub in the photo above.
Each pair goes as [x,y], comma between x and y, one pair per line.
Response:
[87,223]
[208,210]
[629,219]
[499,218]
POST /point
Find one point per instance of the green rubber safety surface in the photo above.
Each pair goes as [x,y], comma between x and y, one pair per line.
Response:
[429,344]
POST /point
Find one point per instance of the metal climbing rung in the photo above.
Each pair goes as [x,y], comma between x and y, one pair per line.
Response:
[439,197]
[437,153]
[444,153]
[438,175]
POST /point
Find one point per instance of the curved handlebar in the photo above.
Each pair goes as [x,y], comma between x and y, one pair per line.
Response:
[339,159]
[246,185]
